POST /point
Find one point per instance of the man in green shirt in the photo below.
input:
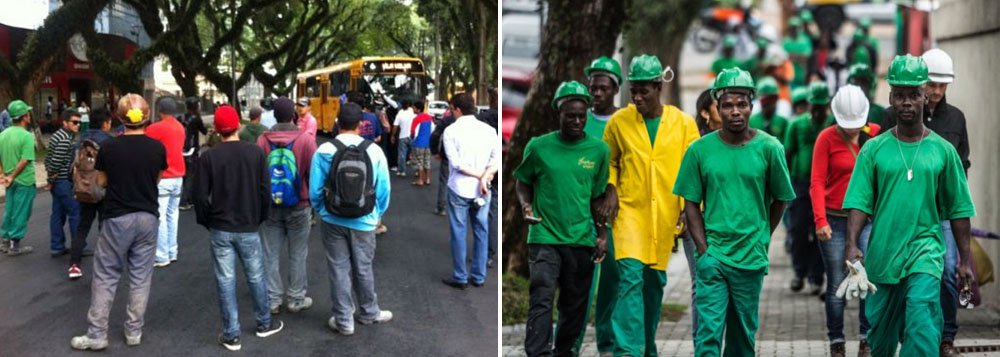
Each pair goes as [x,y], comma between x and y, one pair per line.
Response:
[252,129]
[799,47]
[558,182]
[727,59]
[799,141]
[767,119]
[861,75]
[743,205]
[907,181]
[17,156]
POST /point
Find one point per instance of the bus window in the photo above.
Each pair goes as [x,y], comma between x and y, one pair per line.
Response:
[339,83]
[312,87]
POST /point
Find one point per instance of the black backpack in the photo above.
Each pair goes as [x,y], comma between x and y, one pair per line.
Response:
[349,190]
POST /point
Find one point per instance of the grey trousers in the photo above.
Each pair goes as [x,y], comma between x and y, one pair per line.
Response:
[126,242]
[349,256]
[286,227]
[443,172]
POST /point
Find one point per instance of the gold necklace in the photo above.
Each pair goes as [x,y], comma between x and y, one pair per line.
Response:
[909,168]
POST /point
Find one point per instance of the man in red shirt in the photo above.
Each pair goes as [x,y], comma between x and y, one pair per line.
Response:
[169,132]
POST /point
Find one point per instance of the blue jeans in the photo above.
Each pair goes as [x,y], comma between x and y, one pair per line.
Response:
[286,227]
[835,266]
[169,199]
[349,257]
[227,247]
[64,207]
[460,209]
[949,284]
[403,149]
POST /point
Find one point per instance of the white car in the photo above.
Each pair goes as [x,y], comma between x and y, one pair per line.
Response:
[437,108]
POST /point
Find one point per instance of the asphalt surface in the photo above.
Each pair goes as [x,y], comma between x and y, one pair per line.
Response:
[41,310]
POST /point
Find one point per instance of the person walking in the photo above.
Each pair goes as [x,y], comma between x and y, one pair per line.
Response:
[834,156]
[58,162]
[768,119]
[647,140]
[349,188]
[559,181]
[169,132]
[420,132]
[17,156]
[130,165]
[400,130]
[473,158]
[743,205]
[97,135]
[907,180]
[290,151]
[231,199]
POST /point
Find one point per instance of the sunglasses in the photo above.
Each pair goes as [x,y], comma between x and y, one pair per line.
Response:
[75,122]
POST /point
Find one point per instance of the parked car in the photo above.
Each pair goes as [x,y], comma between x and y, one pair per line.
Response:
[516,83]
[437,108]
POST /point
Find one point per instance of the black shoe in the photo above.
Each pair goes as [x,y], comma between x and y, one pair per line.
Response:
[232,344]
[479,285]
[455,284]
[276,325]
[837,350]
[59,253]
[797,284]
[440,212]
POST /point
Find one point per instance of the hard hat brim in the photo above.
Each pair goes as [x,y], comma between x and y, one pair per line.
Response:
[940,78]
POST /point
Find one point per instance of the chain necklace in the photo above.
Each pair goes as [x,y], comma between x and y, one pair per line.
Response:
[913,163]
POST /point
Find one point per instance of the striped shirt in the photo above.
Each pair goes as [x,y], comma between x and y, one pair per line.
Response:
[60,155]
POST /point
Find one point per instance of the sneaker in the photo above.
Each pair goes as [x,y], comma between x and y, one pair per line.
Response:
[276,309]
[276,325]
[133,340]
[797,284]
[332,324]
[86,343]
[837,350]
[161,264]
[5,246]
[948,349]
[383,316]
[864,350]
[13,252]
[297,306]
[75,272]
[230,344]
[440,212]
[186,207]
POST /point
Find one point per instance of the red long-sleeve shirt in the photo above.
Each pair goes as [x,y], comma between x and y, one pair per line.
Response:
[832,166]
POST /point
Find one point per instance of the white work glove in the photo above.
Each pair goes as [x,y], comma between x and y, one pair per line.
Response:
[856,284]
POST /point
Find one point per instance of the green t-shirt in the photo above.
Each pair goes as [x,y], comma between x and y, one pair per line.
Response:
[906,233]
[18,144]
[736,185]
[566,177]
[251,131]
[799,140]
[724,63]
[652,125]
[876,113]
[776,126]
[595,125]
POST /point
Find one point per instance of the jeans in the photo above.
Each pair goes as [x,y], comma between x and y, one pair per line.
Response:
[403,149]
[64,207]
[570,270]
[170,197]
[286,227]
[689,253]
[443,172]
[126,242]
[806,261]
[949,284]
[349,256]
[492,251]
[88,213]
[227,248]
[833,261]
[460,209]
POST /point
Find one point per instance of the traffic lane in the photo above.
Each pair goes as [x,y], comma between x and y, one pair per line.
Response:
[41,310]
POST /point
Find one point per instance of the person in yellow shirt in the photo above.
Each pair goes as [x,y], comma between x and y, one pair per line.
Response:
[647,141]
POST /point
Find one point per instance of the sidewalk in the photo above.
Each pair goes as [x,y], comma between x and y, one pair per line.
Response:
[791,324]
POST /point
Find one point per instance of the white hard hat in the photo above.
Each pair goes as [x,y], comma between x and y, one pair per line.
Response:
[767,31]
[939,66]
[850,107]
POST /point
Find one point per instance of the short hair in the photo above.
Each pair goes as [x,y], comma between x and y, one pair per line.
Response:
[98,117]
[464,102]
[418,105]
[69,113]
[347,125]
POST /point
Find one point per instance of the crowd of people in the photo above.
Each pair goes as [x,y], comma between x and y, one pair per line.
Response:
[885,191]
[256,190]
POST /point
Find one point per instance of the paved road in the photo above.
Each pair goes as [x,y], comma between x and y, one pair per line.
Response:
[40,310]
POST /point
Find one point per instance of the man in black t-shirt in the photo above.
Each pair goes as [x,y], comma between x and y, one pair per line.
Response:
[129,166]
[193,126]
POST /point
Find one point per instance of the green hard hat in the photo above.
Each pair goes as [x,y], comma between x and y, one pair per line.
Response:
[865,23]
[907,71]
[17,109]
[605,64]
[819,93]
[645,68]
[859,70]
[800,94]
[571,89]
[733,78]
[795,21]
[729,41]
[767,86]
[806,15]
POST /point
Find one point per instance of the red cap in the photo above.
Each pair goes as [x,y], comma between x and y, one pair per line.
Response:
[226,120]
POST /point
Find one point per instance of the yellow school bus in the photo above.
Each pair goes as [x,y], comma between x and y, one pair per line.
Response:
[396,77]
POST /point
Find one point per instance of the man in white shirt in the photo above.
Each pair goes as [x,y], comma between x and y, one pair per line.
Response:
[404,119]
[473,157]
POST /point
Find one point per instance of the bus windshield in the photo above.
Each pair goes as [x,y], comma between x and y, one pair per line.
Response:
[395,85]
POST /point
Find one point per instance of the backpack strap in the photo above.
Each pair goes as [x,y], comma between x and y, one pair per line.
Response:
[364,145]
[338,144]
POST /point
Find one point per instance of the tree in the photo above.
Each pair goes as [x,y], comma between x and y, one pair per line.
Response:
[659,27]
[567,47]
[466,28]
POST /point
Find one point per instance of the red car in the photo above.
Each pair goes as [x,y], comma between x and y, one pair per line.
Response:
[515,90]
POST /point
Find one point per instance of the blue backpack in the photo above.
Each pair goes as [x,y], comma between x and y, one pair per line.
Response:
[285,182]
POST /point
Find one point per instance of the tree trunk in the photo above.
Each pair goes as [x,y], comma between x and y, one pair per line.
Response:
[575,33]
[659,28]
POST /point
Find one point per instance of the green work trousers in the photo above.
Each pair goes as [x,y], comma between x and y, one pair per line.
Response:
[604,292]
[727,301]
[19,200]
[637,311]
[907,312]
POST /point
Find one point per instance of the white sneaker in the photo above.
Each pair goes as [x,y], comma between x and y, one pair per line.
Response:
[161,264]
[86,343]
[383,316]
[133,340]
[332,324]
[306,303]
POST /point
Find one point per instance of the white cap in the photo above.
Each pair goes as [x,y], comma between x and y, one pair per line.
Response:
[850,107]
[939,66]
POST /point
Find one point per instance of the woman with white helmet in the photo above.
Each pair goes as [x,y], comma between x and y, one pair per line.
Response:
[834,156]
